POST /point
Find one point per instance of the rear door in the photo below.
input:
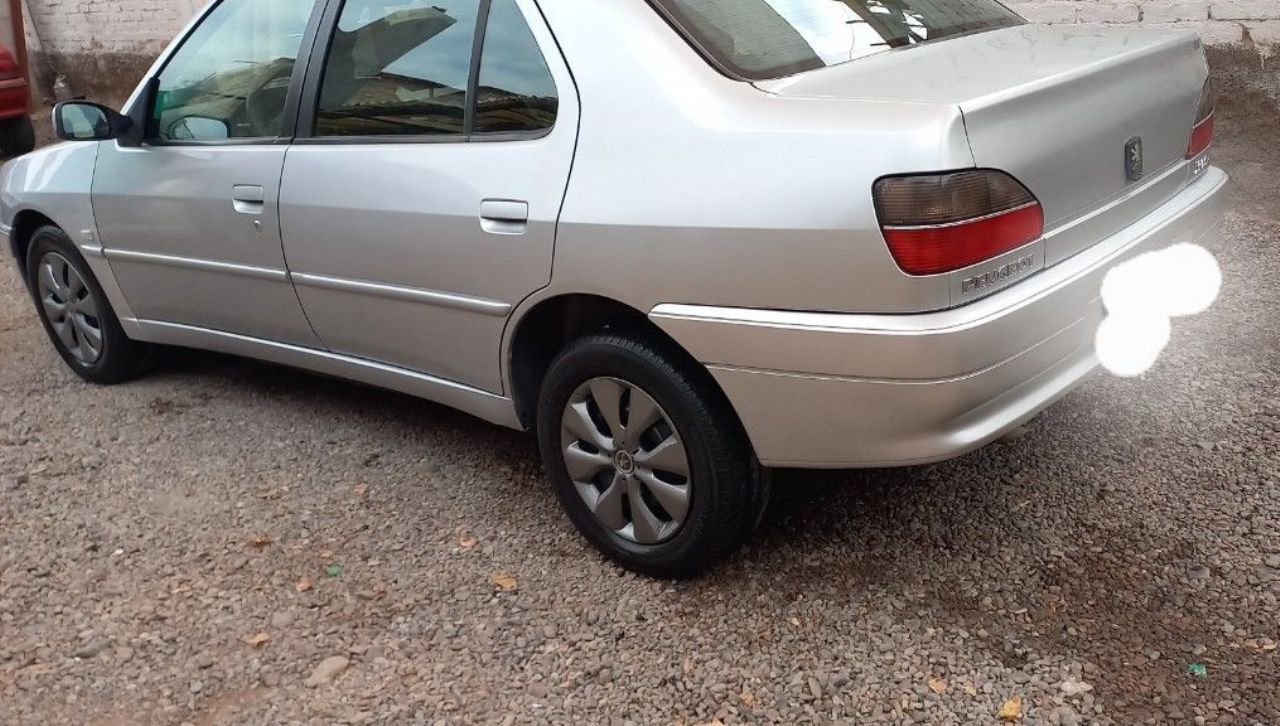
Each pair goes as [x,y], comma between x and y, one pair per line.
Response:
[189,219]
[420,201]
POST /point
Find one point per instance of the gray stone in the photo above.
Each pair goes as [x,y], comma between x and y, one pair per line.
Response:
[329,669]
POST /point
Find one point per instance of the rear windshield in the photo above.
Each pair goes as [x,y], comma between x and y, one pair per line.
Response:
[762,39]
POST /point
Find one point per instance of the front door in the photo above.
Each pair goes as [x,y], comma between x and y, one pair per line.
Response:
[419,203]
[189,220]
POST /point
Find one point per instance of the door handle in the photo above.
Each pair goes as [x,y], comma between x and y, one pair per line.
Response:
[248,199]
[504,216]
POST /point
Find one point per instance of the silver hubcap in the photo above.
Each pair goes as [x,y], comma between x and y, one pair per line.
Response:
[626,460]
[70,307]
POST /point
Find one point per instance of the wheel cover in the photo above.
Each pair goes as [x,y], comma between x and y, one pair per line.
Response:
[626,460]
[70,307]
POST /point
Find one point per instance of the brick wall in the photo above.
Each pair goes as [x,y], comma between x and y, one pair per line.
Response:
[104,46]
[109,25]
[1253,23]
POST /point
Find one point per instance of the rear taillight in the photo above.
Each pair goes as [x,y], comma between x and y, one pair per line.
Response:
[1202,131]
[937,223]
[9,68]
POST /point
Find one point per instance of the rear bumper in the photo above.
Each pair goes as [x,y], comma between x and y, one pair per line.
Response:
[832,390]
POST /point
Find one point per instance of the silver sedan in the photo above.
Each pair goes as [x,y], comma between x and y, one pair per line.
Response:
[684,240]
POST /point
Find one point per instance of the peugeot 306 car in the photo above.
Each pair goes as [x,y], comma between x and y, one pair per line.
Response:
[683,241]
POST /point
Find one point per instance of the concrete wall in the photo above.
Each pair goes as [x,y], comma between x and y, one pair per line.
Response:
[104,46]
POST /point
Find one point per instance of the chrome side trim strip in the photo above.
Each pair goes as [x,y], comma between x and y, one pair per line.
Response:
[93,251]
[192,263]
[489,406]
[410,294]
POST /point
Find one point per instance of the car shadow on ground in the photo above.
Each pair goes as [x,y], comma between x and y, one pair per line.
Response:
[938,507]
[807,501]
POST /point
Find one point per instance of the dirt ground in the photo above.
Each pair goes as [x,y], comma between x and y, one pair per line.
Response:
[228,542]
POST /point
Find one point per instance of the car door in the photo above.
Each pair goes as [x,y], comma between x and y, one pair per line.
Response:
[419,202]
[189,219]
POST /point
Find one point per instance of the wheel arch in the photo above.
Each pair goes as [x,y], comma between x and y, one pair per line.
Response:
[29,219]
[542,331]
[25,224]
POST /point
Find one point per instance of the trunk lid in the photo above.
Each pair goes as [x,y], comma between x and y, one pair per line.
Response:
[1055,107]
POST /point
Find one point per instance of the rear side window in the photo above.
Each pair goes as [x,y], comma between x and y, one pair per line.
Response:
[763,39]
[516,91]
[397,68]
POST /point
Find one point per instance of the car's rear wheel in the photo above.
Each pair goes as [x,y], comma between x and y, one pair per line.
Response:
[17,136]
[76,314]
[646,455]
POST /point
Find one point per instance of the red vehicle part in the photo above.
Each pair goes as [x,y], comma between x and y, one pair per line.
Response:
[17,135]
[15,93]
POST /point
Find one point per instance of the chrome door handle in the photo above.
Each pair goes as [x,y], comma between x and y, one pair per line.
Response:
[504,216]
[248,199]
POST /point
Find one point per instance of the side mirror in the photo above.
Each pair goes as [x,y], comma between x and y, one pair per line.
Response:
[85,121]
[198,128]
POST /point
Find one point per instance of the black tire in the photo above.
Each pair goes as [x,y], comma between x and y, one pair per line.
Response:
[726,488]
[17,136]
[119,359]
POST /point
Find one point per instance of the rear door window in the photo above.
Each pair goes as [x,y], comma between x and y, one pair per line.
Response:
[407,68]
[763,39]
[398,69]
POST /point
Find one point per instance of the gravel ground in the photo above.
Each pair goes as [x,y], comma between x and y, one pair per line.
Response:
[228,542]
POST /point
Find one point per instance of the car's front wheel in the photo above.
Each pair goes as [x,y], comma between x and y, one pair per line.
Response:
[646,456]
[76,314]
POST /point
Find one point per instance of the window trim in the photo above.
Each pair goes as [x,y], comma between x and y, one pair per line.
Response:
[473,73]
[144,106]
[309,101]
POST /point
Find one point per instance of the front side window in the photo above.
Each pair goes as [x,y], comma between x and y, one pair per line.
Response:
[398,68]
[230,79]
[762,39]
[516,91]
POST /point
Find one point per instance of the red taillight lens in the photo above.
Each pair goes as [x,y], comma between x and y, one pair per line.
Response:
[938,223]
[1201,138]
[9,68]
[1202,131]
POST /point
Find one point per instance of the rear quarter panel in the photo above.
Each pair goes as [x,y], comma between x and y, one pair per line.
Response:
[691,187]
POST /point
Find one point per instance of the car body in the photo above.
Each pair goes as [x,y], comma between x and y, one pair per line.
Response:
[729,212]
